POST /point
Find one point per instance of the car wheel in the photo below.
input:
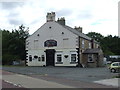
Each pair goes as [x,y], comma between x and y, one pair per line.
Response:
[113,70]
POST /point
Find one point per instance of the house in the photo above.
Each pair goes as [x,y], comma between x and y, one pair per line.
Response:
[56,44]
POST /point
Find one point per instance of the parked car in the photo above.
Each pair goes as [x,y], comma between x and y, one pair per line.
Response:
[115,67]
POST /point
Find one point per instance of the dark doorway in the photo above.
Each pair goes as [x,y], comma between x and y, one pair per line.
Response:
[50,57]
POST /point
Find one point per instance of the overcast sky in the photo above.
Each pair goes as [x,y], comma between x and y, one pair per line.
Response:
[99,16]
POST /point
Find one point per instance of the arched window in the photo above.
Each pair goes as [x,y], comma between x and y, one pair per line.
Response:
[50,43]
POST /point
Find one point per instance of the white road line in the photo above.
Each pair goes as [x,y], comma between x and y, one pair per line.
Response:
[18,85]
[30,82]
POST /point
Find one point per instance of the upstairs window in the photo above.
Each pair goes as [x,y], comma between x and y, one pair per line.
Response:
[89,45]
[36,44]
[83,42]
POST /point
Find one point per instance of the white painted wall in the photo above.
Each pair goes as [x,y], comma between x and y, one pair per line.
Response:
[65,42]
[54,33]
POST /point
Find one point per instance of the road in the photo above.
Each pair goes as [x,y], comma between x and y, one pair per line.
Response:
[66,77]
[18,80]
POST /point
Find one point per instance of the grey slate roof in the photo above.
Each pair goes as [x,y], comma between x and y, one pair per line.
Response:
[76,32]
[90,51]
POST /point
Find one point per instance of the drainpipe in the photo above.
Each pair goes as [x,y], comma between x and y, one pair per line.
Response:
[79,65]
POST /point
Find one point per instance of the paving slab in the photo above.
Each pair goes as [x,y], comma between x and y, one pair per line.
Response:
[111,82]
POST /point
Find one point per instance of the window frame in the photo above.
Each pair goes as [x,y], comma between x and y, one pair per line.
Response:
[30,58]
[59,53]
[89,45]
[39,59]
[83,43]
[90,56]
[43,58]
[76,58]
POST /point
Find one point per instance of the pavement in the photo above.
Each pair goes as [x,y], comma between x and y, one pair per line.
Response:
[30,82]
[110,82]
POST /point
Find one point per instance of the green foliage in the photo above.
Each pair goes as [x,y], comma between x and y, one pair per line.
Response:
[109,44]
[96,36]
[13,44]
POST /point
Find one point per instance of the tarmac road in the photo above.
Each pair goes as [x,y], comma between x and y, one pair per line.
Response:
[74,73]
[70,77]
[13,80]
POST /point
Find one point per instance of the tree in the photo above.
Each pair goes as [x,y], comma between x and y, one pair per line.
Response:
[110,45]
[14,44]
[96,36]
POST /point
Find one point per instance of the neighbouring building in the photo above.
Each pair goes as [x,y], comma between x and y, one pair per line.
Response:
[57,44]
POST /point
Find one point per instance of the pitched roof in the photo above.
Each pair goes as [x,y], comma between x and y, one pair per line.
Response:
[91,51]
[76,32]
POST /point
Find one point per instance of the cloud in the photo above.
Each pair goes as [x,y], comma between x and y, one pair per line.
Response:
[92,15]
[10,12]
[11,5]
[64,12]
[85,14]
[100,21]
[15,22]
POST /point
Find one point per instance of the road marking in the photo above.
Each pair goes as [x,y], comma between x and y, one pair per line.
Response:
[18,85]
[30,82]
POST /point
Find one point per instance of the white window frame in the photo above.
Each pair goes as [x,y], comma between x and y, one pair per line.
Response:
[71,57]
[90,56]
[36,44]
[59,53]
[83,43]
[89,45]
[43,58]
[30,58]
[60,56]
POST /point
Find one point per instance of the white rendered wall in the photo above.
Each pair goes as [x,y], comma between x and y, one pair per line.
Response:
[51,30]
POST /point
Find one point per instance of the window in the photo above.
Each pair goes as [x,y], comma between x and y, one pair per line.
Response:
[66,42]
[115,64]
[59,58]
[43,58]
[36,44]
[90,58]
[89,45]
[30,58]
[73,57]
[83,43]
[39,59]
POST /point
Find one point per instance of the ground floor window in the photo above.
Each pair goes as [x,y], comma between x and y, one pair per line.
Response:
[39,59]
[90,57]
[30,57]
[43,58]
[73,58]
[59,58]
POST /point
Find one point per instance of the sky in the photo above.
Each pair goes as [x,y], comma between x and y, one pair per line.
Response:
[99,16]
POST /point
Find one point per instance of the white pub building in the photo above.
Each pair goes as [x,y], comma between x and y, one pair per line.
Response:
[56,44]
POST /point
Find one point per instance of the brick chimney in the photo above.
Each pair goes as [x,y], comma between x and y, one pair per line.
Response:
[78,29]
[61,21]
[50,17]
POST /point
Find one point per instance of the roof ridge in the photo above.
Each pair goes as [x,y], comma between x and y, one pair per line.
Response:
[75,31]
